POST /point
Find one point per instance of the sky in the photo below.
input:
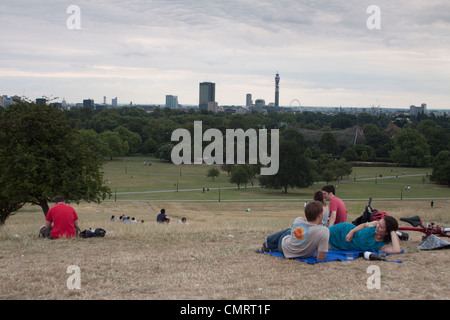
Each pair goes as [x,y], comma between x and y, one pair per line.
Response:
[328,53]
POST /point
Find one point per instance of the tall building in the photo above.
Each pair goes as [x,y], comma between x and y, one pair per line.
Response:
[89,103]
[207,94]
[114,102]
[277,90]
[260,105]
[171,102]
[249,101]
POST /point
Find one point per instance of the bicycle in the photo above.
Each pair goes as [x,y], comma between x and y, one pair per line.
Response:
[417,225]
[431,232]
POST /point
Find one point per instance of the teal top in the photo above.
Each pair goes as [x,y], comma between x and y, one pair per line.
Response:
[363,240]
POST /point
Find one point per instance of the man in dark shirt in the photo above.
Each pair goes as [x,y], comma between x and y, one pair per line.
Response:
[162,217]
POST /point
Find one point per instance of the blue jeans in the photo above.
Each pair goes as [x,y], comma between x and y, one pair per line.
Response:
[273,242]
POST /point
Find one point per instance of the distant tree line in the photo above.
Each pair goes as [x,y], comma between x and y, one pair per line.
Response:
[154,128]
[402,139]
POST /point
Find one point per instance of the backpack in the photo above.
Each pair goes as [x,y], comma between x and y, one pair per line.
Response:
[369,215]
[378,215]
[98,232]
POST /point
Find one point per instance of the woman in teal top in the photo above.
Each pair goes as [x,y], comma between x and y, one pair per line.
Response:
[370,236]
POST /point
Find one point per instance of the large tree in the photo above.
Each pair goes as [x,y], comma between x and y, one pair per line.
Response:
[328,143]
[411,148]
[42,156]
[437,138]
[240,175]
[295,169]
[441,168]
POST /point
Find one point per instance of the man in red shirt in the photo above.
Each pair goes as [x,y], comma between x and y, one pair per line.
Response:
[64,220]
[338,211]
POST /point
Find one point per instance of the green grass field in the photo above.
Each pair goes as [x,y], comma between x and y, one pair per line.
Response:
[214,256]
[130,179]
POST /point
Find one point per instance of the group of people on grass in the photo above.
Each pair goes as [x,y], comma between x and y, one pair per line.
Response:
[325,228]
[125,219]
[61,220]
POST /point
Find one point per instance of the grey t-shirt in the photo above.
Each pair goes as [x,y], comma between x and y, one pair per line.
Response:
[305,239]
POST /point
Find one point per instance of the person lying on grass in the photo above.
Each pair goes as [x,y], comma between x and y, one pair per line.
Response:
[304,239]
[369,236]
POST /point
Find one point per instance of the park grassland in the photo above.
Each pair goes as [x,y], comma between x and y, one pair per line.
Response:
[130,179]
[214,256]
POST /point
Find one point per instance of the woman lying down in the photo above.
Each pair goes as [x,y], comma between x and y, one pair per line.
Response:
[369,236]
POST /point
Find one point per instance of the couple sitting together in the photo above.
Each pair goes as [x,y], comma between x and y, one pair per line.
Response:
[309,236]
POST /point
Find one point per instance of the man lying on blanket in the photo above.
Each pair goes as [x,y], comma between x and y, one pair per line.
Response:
[306,237]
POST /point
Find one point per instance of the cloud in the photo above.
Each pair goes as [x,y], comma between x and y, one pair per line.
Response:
[141,50]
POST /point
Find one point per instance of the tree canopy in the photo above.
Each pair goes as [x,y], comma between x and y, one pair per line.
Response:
[441,168]
[42,156]
[411,148]
[380,129]
[295,169]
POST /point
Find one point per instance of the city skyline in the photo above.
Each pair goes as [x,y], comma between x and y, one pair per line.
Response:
[324,51]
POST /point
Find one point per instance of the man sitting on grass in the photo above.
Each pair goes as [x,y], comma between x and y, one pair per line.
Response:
[162,217]
[338,211]
[306,237]
[61,221]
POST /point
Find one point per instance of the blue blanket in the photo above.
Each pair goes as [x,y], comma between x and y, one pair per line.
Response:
[332,255]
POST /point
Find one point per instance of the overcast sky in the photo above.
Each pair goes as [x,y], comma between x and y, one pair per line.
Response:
[140,51]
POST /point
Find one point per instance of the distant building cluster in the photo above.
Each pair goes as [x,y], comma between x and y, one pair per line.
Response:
[413,110]
[207,102]
[6,101]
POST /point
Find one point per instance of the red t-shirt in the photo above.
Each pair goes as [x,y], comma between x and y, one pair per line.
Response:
[63,217]
[338,205]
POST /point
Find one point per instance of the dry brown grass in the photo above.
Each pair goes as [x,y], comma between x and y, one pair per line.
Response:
[213,257]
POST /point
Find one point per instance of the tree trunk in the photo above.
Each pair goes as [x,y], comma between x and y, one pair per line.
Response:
[44,205]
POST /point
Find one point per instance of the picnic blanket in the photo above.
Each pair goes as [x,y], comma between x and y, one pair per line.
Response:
[332,255]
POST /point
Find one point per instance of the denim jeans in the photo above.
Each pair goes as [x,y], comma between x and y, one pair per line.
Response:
[273,242]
